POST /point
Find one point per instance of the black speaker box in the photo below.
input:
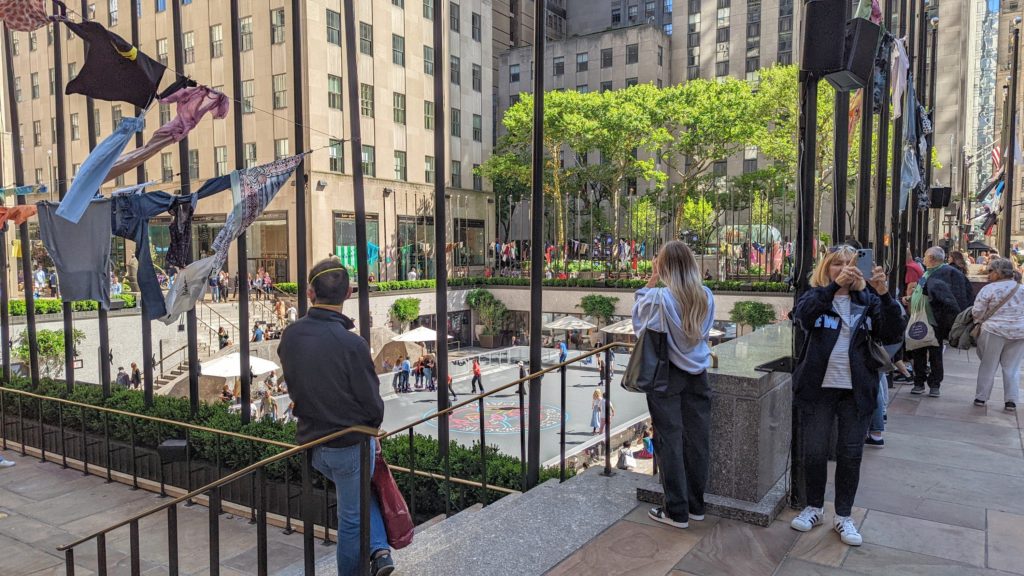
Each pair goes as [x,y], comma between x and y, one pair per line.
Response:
[858,59]
[941,196]
[823,27]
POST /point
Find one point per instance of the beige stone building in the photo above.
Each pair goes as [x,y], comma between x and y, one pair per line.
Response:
[397,122]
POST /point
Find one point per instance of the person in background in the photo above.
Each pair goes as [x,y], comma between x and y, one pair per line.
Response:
[428,372]
[685,310]
[477,376]
[396,375]
[596,411]
[333,384]
[226,395]
[222,338]
[451,390]
[257,333]
[5,463]
[136,377]
[563,351]
[122,378]
[836,379]
[1001,341]
[957,260]
[406,372]
[413,275]
[51,282]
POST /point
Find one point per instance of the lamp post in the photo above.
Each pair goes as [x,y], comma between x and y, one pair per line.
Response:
[384,244]
[1011,148]
[933,57]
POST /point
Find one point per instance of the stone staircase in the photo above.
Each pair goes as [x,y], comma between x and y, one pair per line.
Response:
[520,534]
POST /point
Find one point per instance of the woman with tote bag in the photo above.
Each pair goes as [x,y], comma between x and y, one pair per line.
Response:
[683,312]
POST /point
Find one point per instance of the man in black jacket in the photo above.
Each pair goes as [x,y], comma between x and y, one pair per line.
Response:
[333,385]
[948,293]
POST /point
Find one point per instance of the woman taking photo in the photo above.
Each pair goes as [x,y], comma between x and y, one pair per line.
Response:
[836,378]
[684,309]
[999,307]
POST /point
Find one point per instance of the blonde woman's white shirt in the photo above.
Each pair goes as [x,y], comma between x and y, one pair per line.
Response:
[1008,321]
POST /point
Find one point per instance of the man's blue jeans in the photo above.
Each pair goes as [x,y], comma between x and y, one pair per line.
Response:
[341,465]
[878,418]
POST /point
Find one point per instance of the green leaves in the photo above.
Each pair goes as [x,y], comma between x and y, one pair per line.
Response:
[597,306]
[50,344]
[491,311]
[405,310]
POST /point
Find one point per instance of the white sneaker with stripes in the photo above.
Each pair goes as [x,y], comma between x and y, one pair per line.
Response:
[807,519]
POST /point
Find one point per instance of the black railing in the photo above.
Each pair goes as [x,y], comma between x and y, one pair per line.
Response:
[257,473]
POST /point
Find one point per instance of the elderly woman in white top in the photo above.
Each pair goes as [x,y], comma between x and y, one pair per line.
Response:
[1001,342]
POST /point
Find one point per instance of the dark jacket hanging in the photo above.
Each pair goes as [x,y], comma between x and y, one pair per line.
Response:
[114,69]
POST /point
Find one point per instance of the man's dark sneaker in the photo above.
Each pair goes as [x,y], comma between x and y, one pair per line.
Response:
[1010,407]
[934,392]
[901,378]
[979,403]
[382,565]
[658,514]
[918,389]
[879,443]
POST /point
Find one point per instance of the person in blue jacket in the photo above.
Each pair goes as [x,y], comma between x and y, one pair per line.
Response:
[836,378]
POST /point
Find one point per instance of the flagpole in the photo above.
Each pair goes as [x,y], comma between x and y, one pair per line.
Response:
[1011,149]
[242,293]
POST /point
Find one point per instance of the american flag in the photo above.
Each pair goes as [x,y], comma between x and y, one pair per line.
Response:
[997,160]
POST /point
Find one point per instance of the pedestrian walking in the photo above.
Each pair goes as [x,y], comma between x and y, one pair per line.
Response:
[836,379]
[477,376]
[451,390]
[999,308]
[406,372]
[136,378]
[685,310]
[428,372]
[396,377]
[596,411]
[223,338]
[122,378]
[333,384]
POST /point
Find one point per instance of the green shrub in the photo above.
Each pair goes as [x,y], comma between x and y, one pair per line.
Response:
[394,285]
[405,310]
[287,287]
[753,314]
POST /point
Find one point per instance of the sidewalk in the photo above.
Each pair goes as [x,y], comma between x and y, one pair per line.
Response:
[942,498]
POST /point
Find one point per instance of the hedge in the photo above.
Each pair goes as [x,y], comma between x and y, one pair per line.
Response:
[287,287]
[404,285]
[55,306]
[502,469]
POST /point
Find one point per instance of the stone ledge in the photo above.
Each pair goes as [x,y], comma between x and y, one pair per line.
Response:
[761,513]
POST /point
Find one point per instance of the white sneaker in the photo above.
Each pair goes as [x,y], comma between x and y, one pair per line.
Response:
[809,518]
[848,531]
[7,463]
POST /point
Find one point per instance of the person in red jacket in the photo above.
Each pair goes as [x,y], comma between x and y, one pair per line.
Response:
[477,380]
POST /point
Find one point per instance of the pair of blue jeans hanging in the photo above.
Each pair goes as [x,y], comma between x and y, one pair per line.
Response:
[94,170]
[130,219]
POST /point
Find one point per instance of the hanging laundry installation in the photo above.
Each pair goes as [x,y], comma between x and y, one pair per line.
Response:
[80,251]
[114,70]
[24,15]
[90,175]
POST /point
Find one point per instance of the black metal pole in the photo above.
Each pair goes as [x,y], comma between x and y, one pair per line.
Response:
[931,111]
[140,176]
[440,231]
[186,189]
[1008,177]
[356,139]
[536,248]
[881,177]
[916,54]
[104,325]
[302,264]
[867,119]
[242,293]
[62,189]
[5,320]
[897,238]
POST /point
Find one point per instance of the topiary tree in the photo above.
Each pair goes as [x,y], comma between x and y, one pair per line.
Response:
[600,307]
[404,311]
[753,314]
[51,349]
[491,311]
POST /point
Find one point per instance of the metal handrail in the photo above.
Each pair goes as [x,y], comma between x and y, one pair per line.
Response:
[225,480]
[160,363]
[210,309]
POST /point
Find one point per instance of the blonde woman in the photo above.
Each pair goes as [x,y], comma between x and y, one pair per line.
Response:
[836,378]
[685,310]
[596,411]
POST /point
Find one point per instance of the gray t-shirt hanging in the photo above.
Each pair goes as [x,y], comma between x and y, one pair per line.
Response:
[81,251]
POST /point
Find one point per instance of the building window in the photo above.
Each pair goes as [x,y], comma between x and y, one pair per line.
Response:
[17,89]
[722,68]
[161,51]
[193,164]
[456,122]
[723,17]
[97,130]
[112,13]
[478,78]
[53,81]
[428,9]
[632,81]
[428,169]
[753,64]
[478,128]
[245,33]
[398,50]
[513,73]
[33,42]
[115,116]
[456,67]
[161,5]
[366,100]
[334,100]
[428,115]
[280,82]
[668,28]
[250,154]
[399,3]
[428,60]
[277,26]
[75,128]
[558,66]
[369,161]
[616,16]
[606,86]
[399,107]
[337,162]
[693,21]
[334,27]
[220,160]
[632,53]
[216,41]
[478,180]
[280,148]
[248,95]
[668,6]
[582,61]
[633,12]
[456,174]
[661,55]
[582,88]
[401,170]
[188,42]
[166,167]
[649,9]
[453,16]
[513,100]
[692,72]
[34,78]
[477,25]
[366,38]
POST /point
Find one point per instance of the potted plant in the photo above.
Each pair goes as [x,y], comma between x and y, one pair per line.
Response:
[491,314]
[405,310]
[753,314]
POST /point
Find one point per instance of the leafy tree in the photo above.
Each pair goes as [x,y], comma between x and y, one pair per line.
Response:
[405,310]
[491,311]
[598,306]
[51,349]
[753,314]
[699,217]
[508,169]
[644,217]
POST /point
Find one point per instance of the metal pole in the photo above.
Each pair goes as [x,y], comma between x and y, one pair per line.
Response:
[62,189]
[140,176]
[1011,149]
[355,134]
[244,362]
[896,237]
[881,181]
[916,54]
[5,320]
[536,247]
[300,144]
[440,231]
[864,179]
[186,189]
[931,112]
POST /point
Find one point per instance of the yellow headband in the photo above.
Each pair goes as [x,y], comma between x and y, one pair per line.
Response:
[317,275]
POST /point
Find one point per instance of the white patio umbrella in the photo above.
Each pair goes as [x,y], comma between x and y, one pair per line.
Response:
[569,323]
[421,334]
[227,366]
[626,327]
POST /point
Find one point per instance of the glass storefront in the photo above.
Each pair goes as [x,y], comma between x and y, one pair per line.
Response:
[469,234]
[415,246]
[345,240]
